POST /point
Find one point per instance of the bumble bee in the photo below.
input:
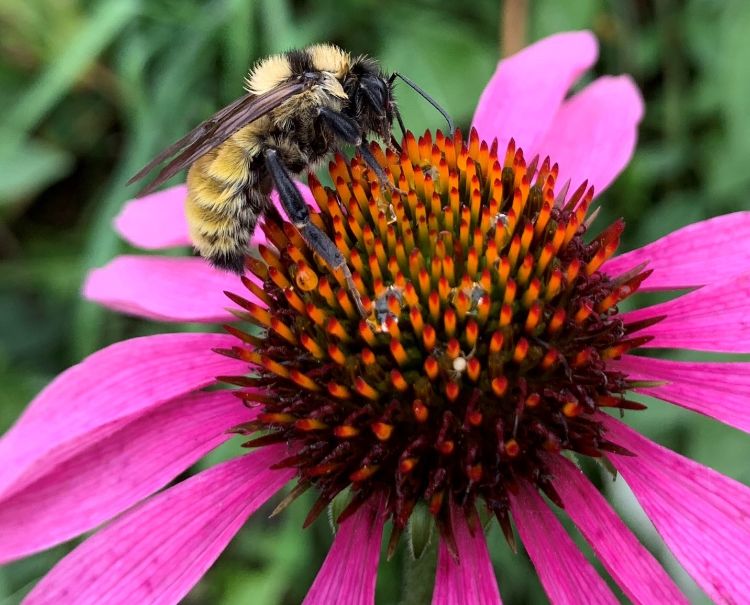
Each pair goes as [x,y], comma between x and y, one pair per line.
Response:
[299,107]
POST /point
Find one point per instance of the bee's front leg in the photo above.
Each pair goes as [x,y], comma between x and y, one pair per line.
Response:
[348,130]
[297,212]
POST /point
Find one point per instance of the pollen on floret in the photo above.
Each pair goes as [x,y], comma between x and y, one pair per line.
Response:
[490,324]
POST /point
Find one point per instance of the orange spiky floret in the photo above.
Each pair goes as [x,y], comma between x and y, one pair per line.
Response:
[488,330]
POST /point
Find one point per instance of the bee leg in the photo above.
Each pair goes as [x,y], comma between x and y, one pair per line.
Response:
[394,144]
[397,113]
[297,211]
[323,245]
[347,129]
[364,151]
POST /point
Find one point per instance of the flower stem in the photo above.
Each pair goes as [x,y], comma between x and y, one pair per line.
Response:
[513,24]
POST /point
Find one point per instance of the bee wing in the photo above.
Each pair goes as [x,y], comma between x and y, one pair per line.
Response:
[213,132]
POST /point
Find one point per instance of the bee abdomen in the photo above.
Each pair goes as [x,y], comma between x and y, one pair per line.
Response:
[221,215]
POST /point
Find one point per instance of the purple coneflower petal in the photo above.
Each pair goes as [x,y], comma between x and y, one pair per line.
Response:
[155,221]
[562,569]
[349,572]
[122,381]
[158,551]
[702,515]
[594,133]
[164,288]
[523,96]
[471,579]
[110,475]
[707,252]
[717,389]
[714,318]
[638,573]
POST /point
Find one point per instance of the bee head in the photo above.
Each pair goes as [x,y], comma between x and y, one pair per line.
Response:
[370,95]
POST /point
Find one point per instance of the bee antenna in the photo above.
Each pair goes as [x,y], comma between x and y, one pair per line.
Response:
[425,96]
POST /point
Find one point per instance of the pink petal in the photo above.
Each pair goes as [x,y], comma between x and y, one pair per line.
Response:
[155,553]
[716,389]
[349,572]
[86,401]
[638,573]
[594,133]
[165,288]
[110,475]
[702,515]
[471,579]
[523,96]
[714,318]
[565,573]
[680,259]
[155,221]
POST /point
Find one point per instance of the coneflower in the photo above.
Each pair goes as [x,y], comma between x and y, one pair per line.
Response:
[493,349]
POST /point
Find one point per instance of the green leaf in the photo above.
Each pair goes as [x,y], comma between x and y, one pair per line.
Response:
[420,529]
[102,27]
[336,507]
[29,168]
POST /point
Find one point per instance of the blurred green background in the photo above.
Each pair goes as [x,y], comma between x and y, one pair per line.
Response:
[89,90]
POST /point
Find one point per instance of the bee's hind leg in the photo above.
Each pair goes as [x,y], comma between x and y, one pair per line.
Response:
[297,211]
